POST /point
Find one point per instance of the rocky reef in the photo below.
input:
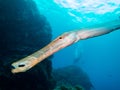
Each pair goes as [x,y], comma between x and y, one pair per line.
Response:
[72,78]
[23,30]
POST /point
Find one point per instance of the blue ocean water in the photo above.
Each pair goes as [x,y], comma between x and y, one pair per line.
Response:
[99,56]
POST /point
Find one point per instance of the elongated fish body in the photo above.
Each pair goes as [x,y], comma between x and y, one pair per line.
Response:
[28,62]
[60,42]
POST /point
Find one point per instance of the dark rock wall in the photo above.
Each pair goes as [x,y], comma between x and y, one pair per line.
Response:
[23,31]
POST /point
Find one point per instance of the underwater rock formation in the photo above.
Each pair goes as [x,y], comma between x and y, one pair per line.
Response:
[72,76]
[23,31]
[69,88]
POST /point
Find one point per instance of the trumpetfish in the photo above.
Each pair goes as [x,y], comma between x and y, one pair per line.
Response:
[62,41]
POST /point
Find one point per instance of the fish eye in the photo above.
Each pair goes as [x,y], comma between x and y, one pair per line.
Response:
[60,37]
